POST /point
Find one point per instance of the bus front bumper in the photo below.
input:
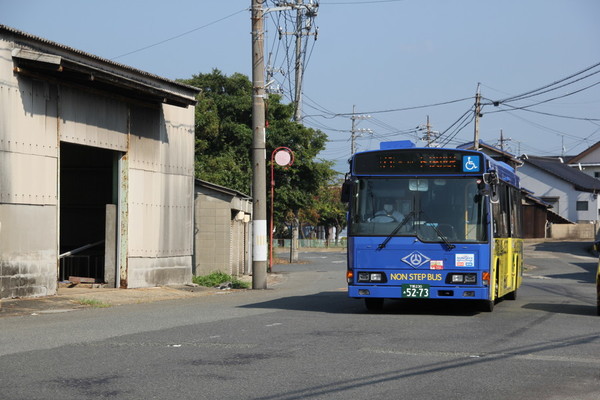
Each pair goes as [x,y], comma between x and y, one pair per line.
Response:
[434,292]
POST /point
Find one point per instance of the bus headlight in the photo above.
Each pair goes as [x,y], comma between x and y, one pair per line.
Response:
[465,278]
[371,277]
[376,277]
[363,277]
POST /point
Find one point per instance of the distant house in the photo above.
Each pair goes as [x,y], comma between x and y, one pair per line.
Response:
[572,194]
[588,161]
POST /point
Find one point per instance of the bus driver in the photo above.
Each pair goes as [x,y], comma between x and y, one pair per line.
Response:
[388,214]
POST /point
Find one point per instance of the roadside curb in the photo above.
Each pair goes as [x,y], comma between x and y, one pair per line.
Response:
[85,296]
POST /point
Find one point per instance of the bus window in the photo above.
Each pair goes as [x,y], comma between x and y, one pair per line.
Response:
[450,207]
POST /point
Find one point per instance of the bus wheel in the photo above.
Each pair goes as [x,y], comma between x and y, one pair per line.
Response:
[374,305]
[487,305]
[511,295]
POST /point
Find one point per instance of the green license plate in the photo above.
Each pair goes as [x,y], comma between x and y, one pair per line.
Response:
[415,291]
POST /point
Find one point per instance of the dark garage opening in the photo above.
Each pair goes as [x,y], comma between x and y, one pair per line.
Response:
[88,182]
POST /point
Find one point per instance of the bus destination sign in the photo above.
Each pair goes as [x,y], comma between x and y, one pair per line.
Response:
[432,161]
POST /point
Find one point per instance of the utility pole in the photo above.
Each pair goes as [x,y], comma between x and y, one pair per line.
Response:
[305,14]
[354,130]
[477,115]
[428,132]
[502,140]
[298,88]
[430,136]
[259,155]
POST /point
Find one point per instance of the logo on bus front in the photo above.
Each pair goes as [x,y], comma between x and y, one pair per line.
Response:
[471,164]
[416,259]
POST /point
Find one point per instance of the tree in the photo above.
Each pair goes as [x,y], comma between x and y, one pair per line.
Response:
[223,129]
[223,119]
[332,212]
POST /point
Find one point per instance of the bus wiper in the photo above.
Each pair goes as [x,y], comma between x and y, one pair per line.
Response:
[396,229]
[442,237]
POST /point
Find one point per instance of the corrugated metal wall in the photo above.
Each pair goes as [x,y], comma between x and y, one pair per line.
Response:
[161,179]
[92,120]
[28,182]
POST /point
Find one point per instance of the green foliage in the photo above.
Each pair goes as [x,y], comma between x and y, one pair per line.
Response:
[93,303]
[224,146]
[216,278]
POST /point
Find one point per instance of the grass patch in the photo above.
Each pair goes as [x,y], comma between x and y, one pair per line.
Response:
[93,303]
[217,278]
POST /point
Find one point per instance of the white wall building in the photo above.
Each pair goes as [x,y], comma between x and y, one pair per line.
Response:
[573,194]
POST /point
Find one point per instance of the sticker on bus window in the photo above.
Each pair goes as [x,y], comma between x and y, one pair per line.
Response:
[436,264]
[471,164]
[465,260]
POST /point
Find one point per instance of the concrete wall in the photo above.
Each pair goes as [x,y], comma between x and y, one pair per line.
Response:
[585,231]
[222,227]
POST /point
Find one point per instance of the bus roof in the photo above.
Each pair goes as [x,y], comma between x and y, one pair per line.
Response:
[393,158]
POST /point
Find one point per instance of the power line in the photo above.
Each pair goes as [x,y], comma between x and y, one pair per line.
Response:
[395,109]
[460,124]
[553,98]
[180,35]
[549,114]
[541,89]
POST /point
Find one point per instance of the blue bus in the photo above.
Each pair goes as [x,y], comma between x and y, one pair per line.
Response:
[432,223]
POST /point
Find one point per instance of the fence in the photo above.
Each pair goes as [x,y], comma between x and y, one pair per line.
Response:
[310,243]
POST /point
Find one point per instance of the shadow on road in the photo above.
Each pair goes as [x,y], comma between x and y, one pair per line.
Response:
[572,309]
[589,276]
[333,302]
[573,247]
[337,302]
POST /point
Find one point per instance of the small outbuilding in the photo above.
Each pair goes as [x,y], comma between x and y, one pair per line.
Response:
[222,232]
[96,170]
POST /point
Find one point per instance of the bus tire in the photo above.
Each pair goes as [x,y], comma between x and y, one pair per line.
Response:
[487,305]
[511,295]
[374,304]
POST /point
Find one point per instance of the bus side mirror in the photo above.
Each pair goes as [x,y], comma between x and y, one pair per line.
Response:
[489,190]
[346,191]
[494,197]
[492,183]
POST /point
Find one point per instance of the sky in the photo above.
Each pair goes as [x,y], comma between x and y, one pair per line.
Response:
[394,63]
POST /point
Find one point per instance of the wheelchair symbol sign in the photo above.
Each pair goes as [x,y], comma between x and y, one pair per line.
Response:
[471,164]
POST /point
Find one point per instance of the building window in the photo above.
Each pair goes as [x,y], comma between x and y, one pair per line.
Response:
[596,175]
[582,206]
[553,201]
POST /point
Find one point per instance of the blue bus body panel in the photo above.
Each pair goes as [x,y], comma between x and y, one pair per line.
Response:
[407,260]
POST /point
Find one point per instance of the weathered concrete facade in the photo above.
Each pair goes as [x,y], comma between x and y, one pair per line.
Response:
[222,230]
[78,133]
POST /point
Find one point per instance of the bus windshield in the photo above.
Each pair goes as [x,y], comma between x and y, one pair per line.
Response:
[432,209]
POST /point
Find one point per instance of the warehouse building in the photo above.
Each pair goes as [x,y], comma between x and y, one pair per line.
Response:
[96,170]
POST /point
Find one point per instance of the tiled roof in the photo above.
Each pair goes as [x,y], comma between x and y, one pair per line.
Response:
[584,153]
[577,178]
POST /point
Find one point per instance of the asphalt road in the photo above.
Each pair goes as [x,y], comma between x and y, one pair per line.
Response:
[304,339]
